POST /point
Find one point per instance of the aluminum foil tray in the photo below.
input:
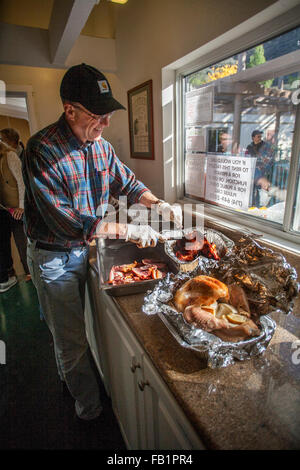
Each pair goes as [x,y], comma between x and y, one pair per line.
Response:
[223,244]
[270,284]
[117,252]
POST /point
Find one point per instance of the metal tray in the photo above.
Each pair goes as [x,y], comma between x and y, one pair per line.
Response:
[116,252]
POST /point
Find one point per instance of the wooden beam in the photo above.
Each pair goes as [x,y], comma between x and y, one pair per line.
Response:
[67,20]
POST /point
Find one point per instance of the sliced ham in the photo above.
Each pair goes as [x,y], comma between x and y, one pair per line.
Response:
[157,264]
[136,272]
[150,261]
[142,274]
[126,268]
[115,275]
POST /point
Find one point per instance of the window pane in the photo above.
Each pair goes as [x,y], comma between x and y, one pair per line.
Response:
[239,119]
[296,208]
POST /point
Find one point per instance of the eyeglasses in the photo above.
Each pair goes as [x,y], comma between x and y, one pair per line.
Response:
[100,118]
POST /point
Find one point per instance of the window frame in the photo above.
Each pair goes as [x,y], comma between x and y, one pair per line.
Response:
[257,35]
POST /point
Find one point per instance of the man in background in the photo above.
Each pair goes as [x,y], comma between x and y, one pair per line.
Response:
[225,143]
[264,154]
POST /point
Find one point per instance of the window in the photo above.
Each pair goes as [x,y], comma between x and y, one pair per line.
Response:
[241,133]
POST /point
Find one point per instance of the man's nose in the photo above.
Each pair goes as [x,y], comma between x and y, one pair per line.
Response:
[105,121]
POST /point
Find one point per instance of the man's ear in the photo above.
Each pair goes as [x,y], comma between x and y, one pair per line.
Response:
[69,111]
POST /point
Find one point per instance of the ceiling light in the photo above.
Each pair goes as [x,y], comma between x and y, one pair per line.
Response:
[118,1]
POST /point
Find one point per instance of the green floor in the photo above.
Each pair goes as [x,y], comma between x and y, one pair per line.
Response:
[34,413]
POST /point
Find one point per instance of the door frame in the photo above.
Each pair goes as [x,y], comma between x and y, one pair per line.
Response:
[29,93]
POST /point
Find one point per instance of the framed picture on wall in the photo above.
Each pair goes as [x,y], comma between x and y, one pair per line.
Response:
[140,114]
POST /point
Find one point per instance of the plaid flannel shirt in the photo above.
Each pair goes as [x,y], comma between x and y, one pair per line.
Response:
[66,182]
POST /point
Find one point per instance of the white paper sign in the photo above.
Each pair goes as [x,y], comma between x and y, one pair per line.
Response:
[195,174]
[196,140]
[199,106]
[229,180]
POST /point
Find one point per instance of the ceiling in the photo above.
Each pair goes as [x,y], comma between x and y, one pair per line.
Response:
[37,14]
[43,33]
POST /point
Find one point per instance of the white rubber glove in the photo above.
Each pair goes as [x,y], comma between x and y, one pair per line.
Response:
[142,235]
[170,212]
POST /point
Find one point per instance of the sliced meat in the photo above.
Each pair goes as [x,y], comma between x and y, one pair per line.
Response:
[238,298]
[193,241]
[203,319]
[157,274]
[220,327]
[125,268]
[142,274]
[150,261]
[135,272]
[115,275]
[153,263]
[238,332]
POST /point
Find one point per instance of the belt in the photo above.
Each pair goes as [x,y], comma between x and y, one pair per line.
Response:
[50,247]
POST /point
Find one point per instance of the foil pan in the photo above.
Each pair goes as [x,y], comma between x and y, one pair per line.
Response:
[223,244]
[270,285]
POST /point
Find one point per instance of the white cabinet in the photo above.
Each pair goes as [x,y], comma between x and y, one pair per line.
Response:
[167,426]
[148,414]
[125,372]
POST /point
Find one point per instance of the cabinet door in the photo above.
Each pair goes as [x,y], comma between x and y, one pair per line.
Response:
[124,362]
[167,426]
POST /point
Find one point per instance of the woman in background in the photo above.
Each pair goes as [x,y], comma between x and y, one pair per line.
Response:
[12,138]
[12,197]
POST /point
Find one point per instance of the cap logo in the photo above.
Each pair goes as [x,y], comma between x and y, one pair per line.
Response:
[103,85]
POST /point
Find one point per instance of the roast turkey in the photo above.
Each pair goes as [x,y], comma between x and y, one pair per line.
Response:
[201,290]
[209,304]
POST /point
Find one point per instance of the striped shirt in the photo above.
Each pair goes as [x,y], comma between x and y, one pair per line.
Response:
[67,182]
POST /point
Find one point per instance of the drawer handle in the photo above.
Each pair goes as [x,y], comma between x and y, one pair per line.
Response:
[134,366]
[142,385]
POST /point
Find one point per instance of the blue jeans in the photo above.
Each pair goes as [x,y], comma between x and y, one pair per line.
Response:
[60,279]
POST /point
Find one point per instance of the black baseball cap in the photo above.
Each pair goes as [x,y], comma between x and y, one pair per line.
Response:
[88,86]
[254,133]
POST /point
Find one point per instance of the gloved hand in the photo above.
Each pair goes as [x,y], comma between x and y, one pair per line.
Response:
[142,235]
[170,212]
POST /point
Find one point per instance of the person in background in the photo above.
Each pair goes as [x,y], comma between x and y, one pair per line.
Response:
[264,153]
[12,138]
[225,143]
[70,171]
[12,198]
[6,263]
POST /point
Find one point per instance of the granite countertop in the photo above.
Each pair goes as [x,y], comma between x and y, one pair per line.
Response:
[253,404]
